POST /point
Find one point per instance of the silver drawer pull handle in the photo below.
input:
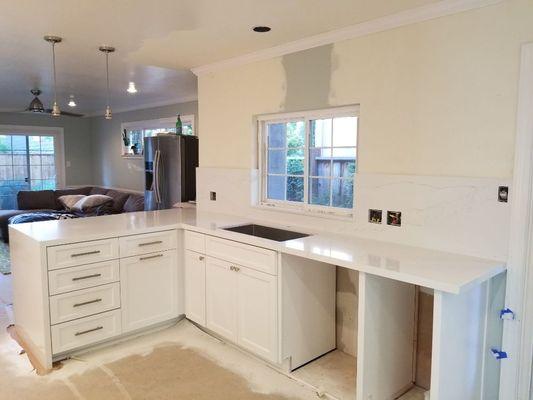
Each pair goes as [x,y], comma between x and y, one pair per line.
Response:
[88,331]
[233,268]
[87,253]
[150,257]
[87,302]
[79,278]
[150,243]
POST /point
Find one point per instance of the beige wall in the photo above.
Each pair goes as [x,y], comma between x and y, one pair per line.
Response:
[437,98]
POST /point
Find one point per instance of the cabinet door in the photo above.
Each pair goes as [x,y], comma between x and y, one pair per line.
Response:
[221,298]
[195,287]
[149,289]
[257,310]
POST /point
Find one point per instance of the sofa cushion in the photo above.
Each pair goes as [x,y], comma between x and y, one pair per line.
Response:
[34,200]
[98,190]
[87,204]
[58,193]
[134,203]
[119,199]
[69,200]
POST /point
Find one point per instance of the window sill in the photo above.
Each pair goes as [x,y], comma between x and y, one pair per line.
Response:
[332,215]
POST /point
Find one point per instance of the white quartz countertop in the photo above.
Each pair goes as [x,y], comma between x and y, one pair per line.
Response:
[438,270]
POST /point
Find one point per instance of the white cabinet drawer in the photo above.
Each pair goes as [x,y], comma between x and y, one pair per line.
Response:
[85,331]
[82,277]
[195,241]
[81,303]
[148,243]
[82,253]
[257,258]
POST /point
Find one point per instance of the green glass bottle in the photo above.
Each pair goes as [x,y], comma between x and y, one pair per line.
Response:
[179,126]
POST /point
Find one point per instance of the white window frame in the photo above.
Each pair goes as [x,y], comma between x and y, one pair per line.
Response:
[262,140]
[158,123]
[59,144]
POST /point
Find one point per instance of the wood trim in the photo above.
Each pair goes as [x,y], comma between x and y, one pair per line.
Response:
[419,14]
[517,335]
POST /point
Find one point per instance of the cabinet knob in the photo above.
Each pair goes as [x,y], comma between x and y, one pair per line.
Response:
[201,258]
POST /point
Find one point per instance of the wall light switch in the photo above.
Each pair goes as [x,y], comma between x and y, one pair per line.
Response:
[394,218]
[213,196]
[375,216]
[503,194]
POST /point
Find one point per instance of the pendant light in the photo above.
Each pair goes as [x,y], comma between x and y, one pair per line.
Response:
[56,112]
[107,50]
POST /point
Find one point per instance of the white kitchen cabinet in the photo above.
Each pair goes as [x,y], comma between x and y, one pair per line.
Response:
[149,289]
[221,298]
[257,312]
[195,287]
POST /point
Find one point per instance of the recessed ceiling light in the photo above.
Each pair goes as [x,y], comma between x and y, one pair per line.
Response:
[261,29]
[71,102]
[131,88]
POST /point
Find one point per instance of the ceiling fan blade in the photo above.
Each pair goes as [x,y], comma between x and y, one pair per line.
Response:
[66,113]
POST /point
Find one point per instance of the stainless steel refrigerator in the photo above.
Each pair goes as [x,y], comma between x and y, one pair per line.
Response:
[170,170]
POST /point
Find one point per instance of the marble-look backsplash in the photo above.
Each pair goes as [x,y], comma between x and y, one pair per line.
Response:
[455,214]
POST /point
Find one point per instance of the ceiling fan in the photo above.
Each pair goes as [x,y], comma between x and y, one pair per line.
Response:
[36,106]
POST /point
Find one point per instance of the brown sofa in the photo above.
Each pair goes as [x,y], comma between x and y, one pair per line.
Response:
[47,200]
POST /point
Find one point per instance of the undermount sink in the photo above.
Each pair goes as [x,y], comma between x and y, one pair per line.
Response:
[266,232]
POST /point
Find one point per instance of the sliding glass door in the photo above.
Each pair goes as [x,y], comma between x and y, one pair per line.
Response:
[27,162]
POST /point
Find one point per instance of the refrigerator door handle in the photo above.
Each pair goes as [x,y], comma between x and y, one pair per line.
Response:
[157,176]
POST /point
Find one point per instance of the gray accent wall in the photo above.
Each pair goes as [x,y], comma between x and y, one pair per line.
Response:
[77,140]
[110,169]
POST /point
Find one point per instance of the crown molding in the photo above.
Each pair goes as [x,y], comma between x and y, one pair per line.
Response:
[419,14]
[179,100]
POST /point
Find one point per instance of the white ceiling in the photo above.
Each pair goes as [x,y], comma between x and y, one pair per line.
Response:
[157,43]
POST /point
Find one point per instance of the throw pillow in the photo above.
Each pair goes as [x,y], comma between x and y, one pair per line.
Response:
[69,200]
[89,203]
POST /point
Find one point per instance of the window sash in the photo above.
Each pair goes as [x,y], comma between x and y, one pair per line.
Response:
[305,205]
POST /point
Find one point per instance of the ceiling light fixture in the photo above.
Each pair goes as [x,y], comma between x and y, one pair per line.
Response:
[56,112]
[107,49]
[261,29]
[36,105]
[71,102]
[131,88]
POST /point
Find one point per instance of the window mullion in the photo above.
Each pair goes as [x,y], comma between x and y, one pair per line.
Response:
[306,161]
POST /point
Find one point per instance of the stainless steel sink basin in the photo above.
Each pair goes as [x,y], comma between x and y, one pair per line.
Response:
[266,232]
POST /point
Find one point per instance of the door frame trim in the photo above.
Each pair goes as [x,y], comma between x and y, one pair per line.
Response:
[59,144]
[518,333]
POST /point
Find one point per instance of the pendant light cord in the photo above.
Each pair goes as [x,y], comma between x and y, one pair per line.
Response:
[107,74]
[54,69]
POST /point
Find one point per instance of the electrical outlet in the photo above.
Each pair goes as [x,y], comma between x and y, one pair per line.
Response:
[394,218]
[503,194]
[213,196]
[375,216]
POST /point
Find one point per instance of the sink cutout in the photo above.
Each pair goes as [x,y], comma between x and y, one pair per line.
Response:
[266,232]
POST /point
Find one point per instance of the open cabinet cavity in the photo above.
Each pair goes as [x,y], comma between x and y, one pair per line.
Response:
[408,330]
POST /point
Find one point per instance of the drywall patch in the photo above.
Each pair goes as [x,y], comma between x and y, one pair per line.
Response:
[308,76]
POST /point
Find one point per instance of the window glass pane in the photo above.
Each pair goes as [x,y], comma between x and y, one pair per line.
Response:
[35,160]
[48,172]
[47,159]
[319,191]
[186,129]
[49,184]
[342,193]
[35,171]
[320,130]
[296,134]
[5,144]
[6,172]
[19,144]
[348,152]
[276,135]
[20,172]
[20,160]
[295,188]
[345,131]
[276,187]
[343,168]
[276,161]
[47,144]
[5,159]
[34,143]
[319,162]
[295,162]
[36,184]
